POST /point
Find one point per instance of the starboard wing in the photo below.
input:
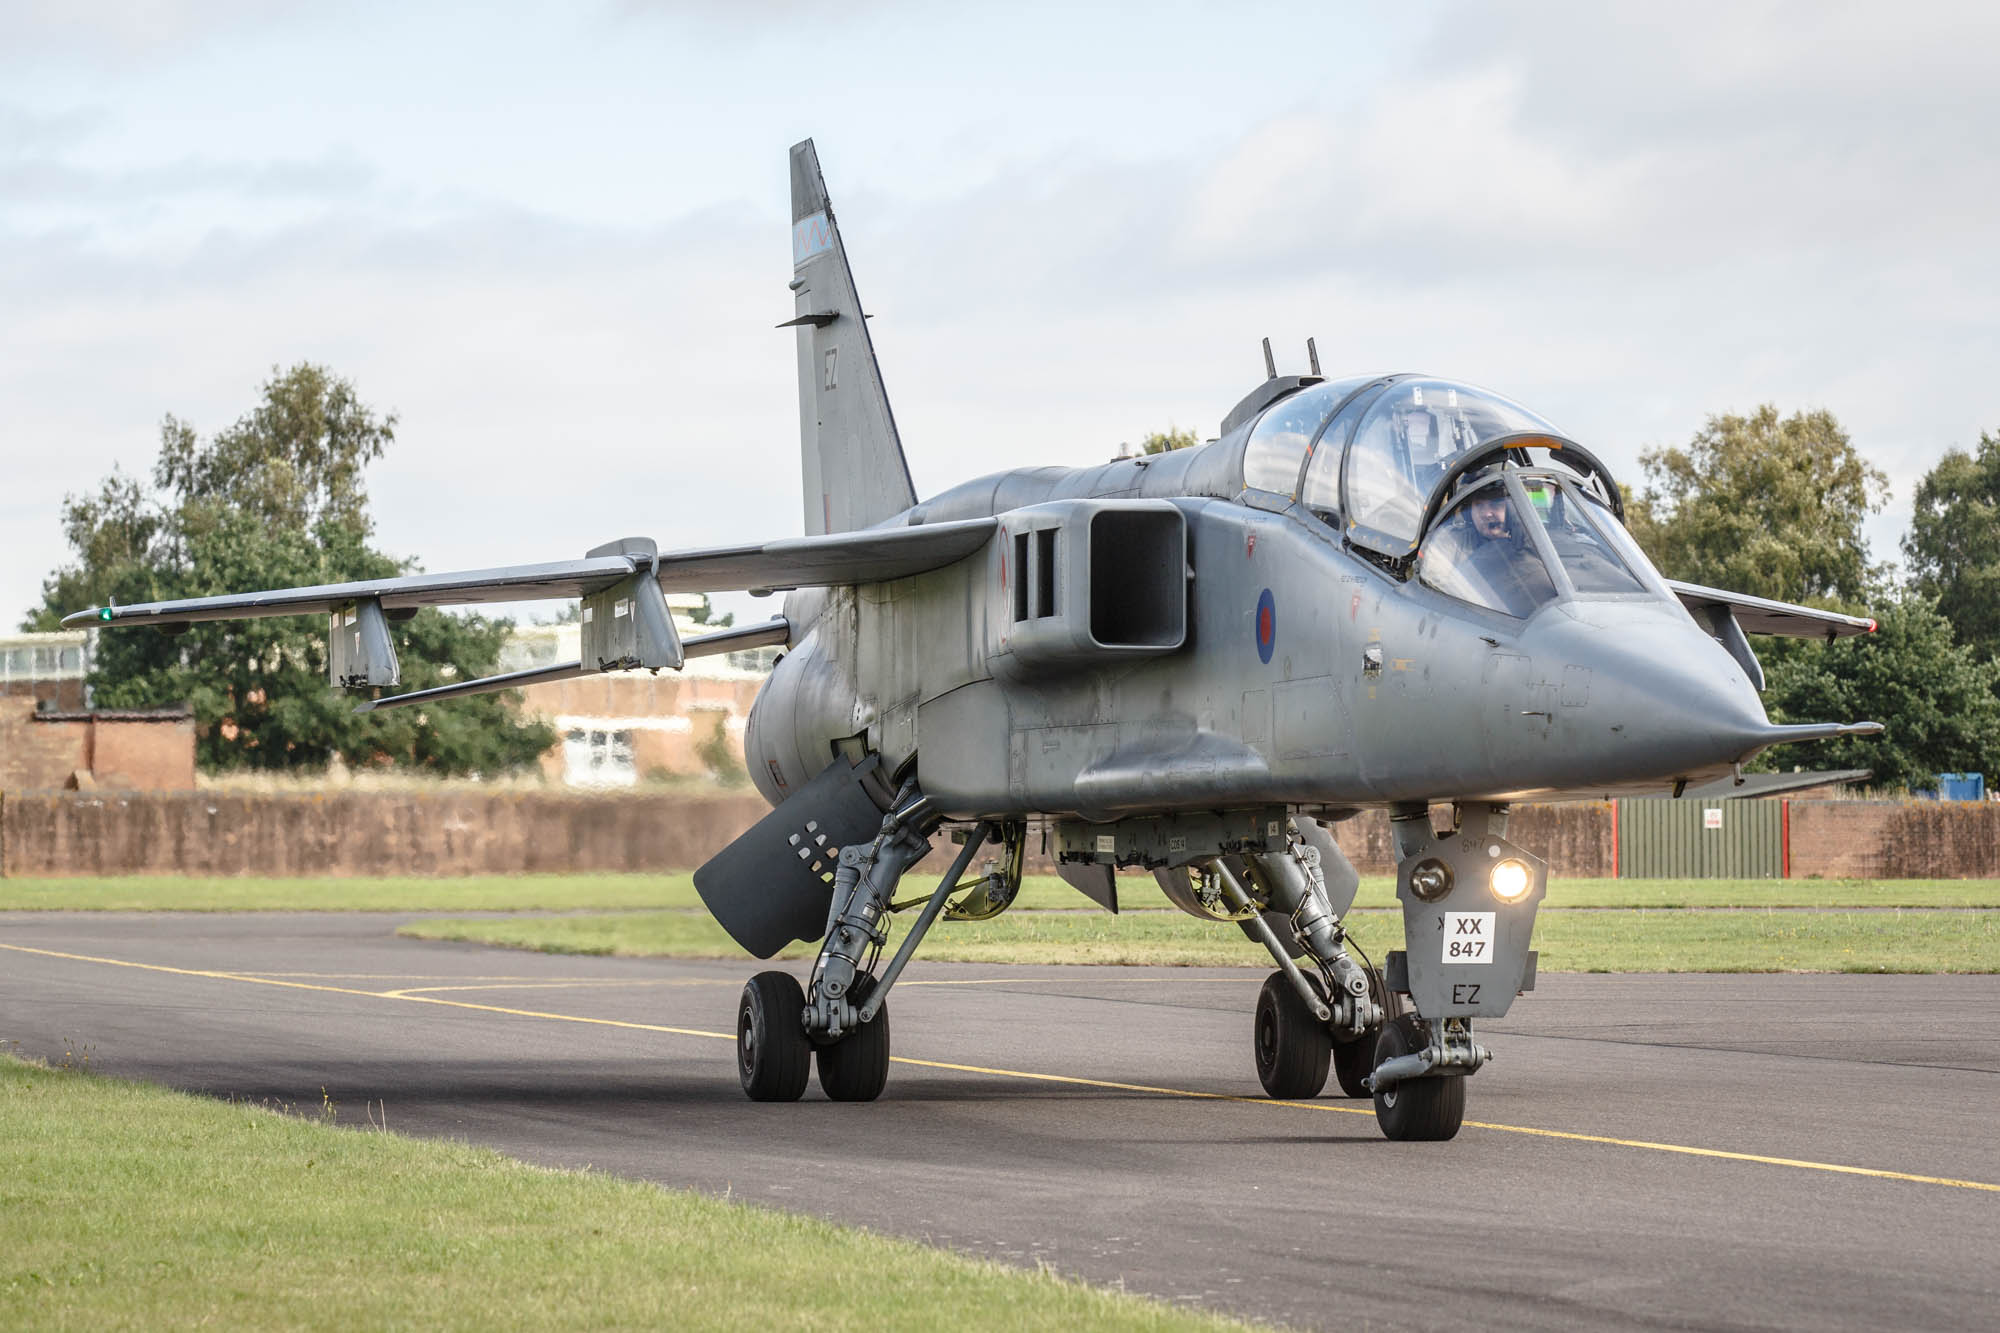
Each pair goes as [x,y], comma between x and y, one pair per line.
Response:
[1761,615]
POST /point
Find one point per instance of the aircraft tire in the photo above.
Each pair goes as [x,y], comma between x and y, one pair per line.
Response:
[773,1057]
[1292,1047]
[1352,1062]
[856,1068]
[1417,1110]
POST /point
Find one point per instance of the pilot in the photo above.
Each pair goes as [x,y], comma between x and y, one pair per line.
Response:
[1501,556]
[1491,518]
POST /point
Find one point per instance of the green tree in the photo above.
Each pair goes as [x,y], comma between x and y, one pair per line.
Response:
[275,500]
[1954,542]
[1160,442]
[1934,697]
[705,615]
[1763,505]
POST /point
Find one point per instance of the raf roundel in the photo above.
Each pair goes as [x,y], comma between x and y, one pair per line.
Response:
[1267,625]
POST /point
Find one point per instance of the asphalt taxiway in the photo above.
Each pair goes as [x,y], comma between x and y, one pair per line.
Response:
[1645,1151]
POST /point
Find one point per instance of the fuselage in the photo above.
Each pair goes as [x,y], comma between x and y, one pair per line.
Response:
[1312,674]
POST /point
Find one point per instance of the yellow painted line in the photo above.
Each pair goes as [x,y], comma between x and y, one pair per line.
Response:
[250,979]
[1257,980]
[384,976]
[1030,1076]
[583,983]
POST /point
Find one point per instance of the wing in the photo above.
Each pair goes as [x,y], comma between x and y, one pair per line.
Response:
[1761,615]
[869,556]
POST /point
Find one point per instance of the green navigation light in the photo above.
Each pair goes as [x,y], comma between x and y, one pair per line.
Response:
[104,613]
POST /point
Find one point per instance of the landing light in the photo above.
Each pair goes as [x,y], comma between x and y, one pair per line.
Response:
[1510,881]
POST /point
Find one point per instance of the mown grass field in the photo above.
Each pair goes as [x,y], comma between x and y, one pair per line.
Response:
[1614,925]
[1609,940]
[560,893]
[126,1206]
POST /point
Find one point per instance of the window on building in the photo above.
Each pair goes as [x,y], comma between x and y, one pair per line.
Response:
[598,757]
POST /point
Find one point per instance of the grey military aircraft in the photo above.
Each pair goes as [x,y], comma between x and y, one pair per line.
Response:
[1386,591]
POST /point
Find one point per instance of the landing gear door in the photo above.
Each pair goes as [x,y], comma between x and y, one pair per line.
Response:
[1469,905]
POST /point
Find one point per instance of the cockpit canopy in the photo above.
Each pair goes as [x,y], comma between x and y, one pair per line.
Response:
[1515,513]
[1371,451]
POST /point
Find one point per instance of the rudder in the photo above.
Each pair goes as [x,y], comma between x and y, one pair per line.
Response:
[854,471]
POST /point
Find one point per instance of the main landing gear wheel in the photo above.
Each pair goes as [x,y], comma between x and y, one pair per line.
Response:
[856,1068]
[1293,1047]
[1417,1109]
[1354,1060]
[773,1057]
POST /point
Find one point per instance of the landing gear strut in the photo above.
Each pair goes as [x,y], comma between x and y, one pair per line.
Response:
[1469,898]
[1306,1022]
[840,1020]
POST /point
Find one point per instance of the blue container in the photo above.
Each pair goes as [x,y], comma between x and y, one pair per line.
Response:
[1961,786]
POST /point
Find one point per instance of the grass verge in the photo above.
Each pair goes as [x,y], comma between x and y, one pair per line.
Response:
[1600,941]
[559,893]
[125,1206]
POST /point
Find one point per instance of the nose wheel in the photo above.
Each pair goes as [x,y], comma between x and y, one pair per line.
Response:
[1428,1109]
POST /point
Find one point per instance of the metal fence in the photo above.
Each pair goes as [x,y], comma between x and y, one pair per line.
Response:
[1714,839]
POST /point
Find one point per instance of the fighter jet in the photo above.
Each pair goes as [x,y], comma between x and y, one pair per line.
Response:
[1386,591]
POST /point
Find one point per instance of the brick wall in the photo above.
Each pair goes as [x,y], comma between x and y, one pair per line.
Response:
[144,754]
[639,694]
[1574,838]
[65,693]
[38,754]
[1895,840]
[457,833]
[362,833]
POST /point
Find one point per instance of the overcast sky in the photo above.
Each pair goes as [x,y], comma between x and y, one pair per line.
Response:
[554,238]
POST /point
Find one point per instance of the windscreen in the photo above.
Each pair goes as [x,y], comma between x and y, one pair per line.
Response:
[1590,561]
[1481,551]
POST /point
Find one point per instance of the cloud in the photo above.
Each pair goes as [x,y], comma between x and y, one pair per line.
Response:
[121,32]
[1625,227]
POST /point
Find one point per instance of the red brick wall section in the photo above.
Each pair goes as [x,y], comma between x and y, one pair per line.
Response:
[35,754]
[363,833]
[460,833]
[1575,838]
[1895,840]
[142,756]
[64,695]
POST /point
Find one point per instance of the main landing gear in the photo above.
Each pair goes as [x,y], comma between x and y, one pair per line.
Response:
[1307,1024]
[840,1019]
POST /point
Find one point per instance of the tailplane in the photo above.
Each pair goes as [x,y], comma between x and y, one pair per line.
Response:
[855,473]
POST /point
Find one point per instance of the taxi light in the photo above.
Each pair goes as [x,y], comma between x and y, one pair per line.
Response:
[1511,881]
[1431,880]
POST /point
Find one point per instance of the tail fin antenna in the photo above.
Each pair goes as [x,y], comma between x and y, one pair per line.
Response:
[854,470]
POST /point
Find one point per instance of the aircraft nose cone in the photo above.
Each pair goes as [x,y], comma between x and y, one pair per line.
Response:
[1663,698]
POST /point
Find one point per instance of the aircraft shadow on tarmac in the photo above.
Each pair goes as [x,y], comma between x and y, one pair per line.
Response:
[641,1090]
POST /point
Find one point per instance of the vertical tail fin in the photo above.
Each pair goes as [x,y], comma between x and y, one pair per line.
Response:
[855,473]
